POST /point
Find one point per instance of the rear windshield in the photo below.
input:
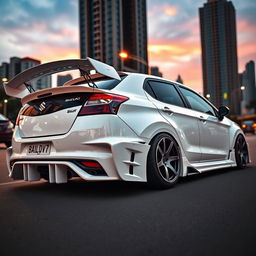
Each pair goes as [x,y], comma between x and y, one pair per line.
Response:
[54,103]
[103,83]
[2,118]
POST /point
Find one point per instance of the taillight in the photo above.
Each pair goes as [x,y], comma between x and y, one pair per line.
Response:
[101,103]
[91,164]
[19,119]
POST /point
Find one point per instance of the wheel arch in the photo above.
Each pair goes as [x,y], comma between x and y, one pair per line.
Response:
[184,160]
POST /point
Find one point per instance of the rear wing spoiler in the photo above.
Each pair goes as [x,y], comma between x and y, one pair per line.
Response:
[17,87]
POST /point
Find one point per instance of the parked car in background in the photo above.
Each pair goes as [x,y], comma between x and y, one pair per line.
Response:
[249,126]
[117,126]
[6,130]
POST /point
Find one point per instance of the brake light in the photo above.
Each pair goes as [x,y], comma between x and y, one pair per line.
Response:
[101,103]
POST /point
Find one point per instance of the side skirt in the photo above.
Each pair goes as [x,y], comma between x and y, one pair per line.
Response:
[213,165]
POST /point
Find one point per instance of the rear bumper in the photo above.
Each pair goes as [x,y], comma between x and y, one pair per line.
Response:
[125,161]
[120,152]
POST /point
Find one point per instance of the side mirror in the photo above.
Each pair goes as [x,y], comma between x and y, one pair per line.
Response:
[223,111]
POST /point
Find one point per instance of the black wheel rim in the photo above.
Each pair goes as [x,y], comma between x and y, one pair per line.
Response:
[168,159]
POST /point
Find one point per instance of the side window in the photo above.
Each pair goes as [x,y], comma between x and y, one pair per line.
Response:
[196,102]
[164,92]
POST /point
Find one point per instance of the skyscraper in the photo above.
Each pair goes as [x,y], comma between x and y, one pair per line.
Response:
[14,67]
[38,84]
[62,79]
[249,88]
[4,70]
[219,53]
[155,71]
[179,79]
[108,27]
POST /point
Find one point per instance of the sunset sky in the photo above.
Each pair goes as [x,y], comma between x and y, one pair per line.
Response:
[48,30]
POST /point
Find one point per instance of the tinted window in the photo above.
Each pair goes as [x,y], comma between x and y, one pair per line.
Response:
[164,92]
[248,122]
[54,103]
[196,102]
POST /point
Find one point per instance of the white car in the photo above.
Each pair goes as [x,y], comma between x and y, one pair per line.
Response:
[117,126]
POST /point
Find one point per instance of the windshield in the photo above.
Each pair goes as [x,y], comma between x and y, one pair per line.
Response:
[248,122]
[3,118]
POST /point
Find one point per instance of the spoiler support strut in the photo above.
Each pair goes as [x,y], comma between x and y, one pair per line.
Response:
[87,78]
[29,87]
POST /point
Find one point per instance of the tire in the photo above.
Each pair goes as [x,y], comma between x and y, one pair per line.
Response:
[8,144]
[164,162]
[241,152]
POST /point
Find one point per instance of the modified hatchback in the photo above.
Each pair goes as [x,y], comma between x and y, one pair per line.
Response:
[117,126]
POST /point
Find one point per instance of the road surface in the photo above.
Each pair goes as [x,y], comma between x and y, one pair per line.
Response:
[208,214]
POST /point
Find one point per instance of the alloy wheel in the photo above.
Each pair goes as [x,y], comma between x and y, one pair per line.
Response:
[168,159]
[241,152]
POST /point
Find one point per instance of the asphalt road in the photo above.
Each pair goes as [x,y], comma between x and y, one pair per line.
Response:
[209,214]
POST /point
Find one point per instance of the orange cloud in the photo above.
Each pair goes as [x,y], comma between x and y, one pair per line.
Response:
[178,58]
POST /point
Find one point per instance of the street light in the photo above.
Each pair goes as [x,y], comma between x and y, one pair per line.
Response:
[5,107]
[208,96]
[242,88]
[4,79]
[124,55]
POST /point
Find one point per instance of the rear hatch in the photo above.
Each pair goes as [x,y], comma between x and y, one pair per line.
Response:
[54,111]
[52,115]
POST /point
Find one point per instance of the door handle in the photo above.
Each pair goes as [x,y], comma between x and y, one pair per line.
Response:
[167,110]
[202,119]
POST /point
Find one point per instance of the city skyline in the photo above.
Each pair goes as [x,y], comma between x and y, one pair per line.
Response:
[48,30]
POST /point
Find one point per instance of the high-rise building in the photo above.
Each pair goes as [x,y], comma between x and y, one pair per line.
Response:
[179,79]
[108,27]
[38,84]
[155,71]
[247,83]
[4,70]
[219,54]
[62,79]
[14,67]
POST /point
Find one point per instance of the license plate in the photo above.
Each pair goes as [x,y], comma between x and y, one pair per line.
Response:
[38,149]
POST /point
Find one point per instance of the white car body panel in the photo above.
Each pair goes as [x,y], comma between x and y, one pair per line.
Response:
[185,126]
[118,142]
[48,125]
[214,137]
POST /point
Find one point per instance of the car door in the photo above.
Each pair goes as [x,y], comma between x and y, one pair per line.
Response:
[171,106]
[214,134]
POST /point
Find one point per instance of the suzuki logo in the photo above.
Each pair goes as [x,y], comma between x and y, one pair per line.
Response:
[42,106]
